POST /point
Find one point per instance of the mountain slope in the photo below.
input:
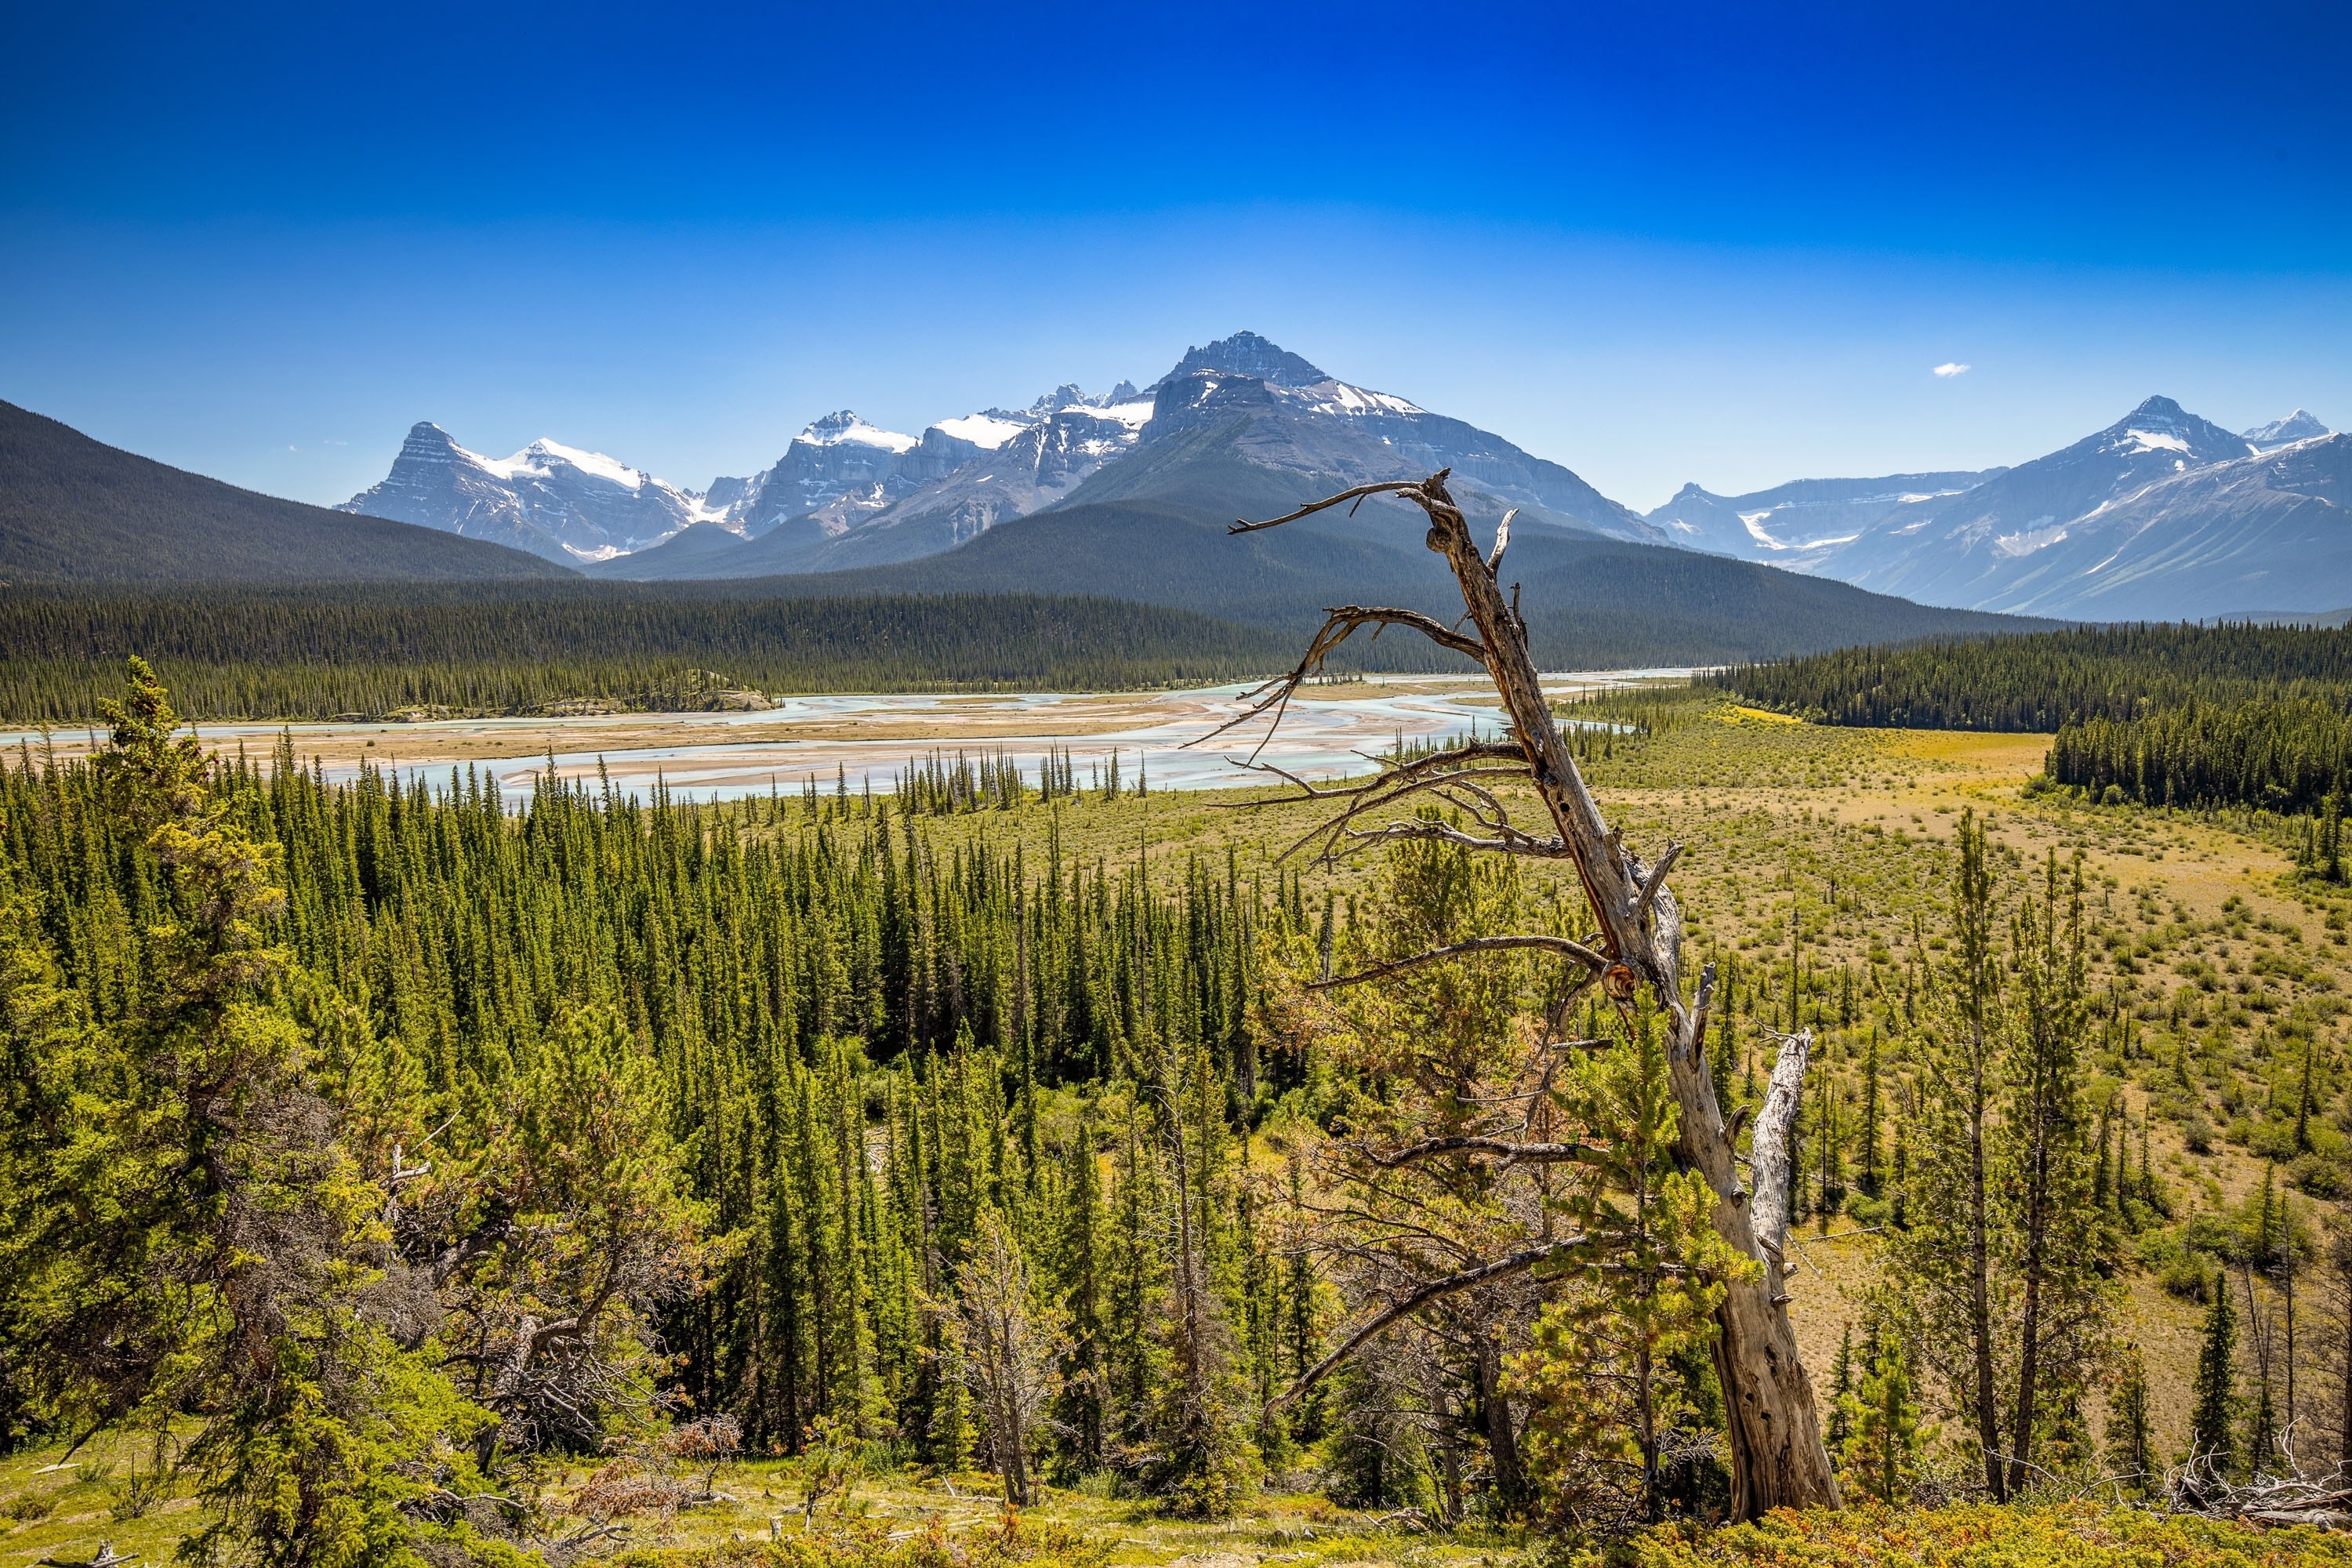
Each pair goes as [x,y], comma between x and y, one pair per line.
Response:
[1295,419]
[2162,513]
[74,509]
[1588,600]
[2270,531]
[1977,550]
[1803,522]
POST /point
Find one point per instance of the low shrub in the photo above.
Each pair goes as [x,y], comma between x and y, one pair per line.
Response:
[2320,1176]
[1980,1535]
[1004,1540]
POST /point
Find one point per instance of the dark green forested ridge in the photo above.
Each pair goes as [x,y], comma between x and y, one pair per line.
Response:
[2038,682]
[77,510]
[316,652]
[2240,715]
[2277,755]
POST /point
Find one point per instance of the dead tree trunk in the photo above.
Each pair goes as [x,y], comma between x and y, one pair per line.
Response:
[1777,1457]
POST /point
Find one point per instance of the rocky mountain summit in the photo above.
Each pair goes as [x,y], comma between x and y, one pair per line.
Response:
[554,500]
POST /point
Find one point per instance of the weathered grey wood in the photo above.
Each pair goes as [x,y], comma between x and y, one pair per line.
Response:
[1768,1151]
[1777,1457]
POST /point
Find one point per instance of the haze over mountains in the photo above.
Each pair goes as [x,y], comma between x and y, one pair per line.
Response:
[2162,514]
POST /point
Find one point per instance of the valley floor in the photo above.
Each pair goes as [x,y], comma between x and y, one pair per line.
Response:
[2199,926]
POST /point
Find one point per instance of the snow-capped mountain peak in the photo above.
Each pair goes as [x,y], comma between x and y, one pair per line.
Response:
[2161,426]
[2298,425]
[564,503]
[836,429]
[543,458]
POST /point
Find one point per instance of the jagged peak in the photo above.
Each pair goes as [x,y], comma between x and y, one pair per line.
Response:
[2157,407]
[1246,353]
[2300,426]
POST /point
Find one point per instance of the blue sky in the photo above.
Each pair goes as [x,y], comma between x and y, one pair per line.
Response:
[1727,244]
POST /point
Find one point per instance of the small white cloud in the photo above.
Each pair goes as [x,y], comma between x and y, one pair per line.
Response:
[1951,368]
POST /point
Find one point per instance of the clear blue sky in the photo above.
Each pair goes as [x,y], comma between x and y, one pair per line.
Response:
[1655,243]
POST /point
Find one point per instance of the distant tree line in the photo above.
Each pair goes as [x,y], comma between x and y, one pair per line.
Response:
[2040,683]
[2286,755]
[316,653]
[2159,715]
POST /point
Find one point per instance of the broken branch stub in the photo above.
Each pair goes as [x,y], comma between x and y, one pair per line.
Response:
[1768,1151]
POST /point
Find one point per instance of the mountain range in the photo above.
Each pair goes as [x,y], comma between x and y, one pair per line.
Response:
[846,493]
[1126,494]
[2162,514]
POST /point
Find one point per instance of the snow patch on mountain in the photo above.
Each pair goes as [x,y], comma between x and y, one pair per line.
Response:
[986,431]
[836,429]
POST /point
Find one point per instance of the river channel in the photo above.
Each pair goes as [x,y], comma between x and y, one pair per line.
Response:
[866,742]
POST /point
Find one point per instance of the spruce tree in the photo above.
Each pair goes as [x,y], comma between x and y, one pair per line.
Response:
[2130,1450]
[2213,1398]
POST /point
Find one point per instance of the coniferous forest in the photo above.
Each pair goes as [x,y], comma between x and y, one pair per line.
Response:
[2243,716]
[321,652]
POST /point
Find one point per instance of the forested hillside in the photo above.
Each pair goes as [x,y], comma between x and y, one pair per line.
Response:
[1592,603]
[314,653]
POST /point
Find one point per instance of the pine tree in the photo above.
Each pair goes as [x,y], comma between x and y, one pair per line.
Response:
[1887,1443]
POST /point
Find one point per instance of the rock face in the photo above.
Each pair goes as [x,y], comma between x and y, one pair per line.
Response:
[553,500]
[1296,419]
[846,493]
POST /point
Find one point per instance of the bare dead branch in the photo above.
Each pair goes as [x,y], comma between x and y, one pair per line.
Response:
[1502,540]
[1655,881]
[1341,624]
[1517,1262]
[1558,944]
[1358,495]
[1512,1153]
